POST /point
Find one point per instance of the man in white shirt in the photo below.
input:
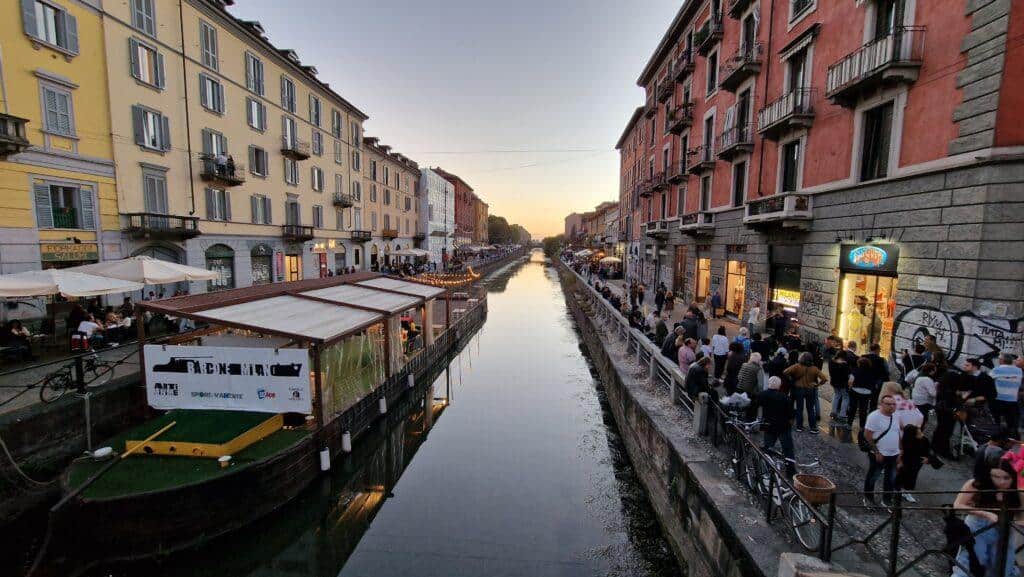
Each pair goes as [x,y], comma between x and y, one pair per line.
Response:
[90,327]
[754,320]
[882,432]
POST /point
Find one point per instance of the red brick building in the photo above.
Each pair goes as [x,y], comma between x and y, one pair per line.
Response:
[849,162]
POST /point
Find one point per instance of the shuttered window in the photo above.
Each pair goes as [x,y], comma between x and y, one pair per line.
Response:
[317,179]
[57,113]
[208,45]
[337,123]
[357,190]
[152,129]
[218,204]
[314,110]
[258,161]
[339,220]
[318,143]
[318,216]
[50,23]
[256,114]
[291,171]
[261,211]
[877,141]
[287,94]
[338,152]
[211,94]
[254,74]
[214,143]
[144,16]
[154,187]
[147,65]
[61,205]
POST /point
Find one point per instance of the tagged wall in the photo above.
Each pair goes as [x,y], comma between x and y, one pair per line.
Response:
[961,335]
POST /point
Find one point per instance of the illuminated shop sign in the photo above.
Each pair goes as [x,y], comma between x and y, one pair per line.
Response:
[786,297]
[880,259]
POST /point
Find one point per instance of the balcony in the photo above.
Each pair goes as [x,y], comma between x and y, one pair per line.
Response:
[294,148]
[787,210]
[296,233]
[665,90]
[680,118]
[677,172]
[701,159]
[890,60]
[161,226]
[697,223]
[643,188]
[683,65]
[389,233]
[736,8]
[659,182]
[794,110]
[736,141]
[657,229]
[623,236]
[65,217]
[708,35]
[361,235]
[229,174]
[652,106]
[343,200]
[419,236]
[746,62]
[12,135]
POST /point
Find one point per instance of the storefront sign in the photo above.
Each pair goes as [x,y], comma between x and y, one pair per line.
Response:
[880,259]
[786,297]
[228,378]
[68,252]
[933,284]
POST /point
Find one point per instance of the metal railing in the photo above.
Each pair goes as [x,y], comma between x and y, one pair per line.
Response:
[343,199]
[799,102]
[66,217]
[294,147]
[700,156]
[297,232]
[904,45]
[161,224]
[682,64]
[227,173]
[781,204]
[740,135]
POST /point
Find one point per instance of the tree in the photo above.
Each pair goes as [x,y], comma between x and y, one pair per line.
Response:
[497,229]
[552,245]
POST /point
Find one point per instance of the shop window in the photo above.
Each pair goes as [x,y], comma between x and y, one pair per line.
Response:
[703,288]
[735,287]
[262,257]
[221,259]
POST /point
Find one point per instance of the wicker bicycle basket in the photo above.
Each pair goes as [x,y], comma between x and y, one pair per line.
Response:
[815,489]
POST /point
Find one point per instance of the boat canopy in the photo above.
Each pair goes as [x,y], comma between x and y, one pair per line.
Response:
[317,310]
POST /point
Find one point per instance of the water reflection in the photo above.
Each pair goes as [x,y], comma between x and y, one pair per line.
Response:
[509,464]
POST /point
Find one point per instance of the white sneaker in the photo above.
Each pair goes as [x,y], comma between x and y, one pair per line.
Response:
[909,498]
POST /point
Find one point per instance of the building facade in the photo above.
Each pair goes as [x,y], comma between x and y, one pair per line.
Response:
[437,216]
[465,211]
[57,177]
[231,153]
[850,163]
[391,190]
[480,230]
[573,228]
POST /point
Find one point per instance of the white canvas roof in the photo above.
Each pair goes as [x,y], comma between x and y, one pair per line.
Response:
[293,316]
[365,297]
[410,288]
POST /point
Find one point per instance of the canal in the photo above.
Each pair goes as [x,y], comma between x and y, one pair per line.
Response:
[517,471]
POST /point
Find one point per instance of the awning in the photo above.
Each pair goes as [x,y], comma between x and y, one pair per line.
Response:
[404,287]
[366,297]
[414,252]
[53,281]
[292,315]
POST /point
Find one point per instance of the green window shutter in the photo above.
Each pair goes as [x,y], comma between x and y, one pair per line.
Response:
[207,142]
[254,202]
[227,205]
[133,58]
[85,203]
[165,133]
[252,157]
[138,121]
[28,18]
[209,204]
[70,33]
[268,211]
[160,79]
[44,209]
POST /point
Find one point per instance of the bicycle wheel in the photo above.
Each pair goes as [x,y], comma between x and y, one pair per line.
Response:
[752,475]
[99,374]
[54,387]
[805,525]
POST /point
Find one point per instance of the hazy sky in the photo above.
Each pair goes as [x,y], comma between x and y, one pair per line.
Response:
[523,99]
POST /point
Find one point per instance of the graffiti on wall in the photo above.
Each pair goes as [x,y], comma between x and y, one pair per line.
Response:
[961,335]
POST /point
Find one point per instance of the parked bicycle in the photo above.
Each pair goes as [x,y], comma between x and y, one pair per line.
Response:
[96,372]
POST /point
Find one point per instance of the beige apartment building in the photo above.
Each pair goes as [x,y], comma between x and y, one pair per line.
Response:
[230,153]
[390,207]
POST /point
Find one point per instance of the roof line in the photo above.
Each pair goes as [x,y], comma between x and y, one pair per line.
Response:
[686,12]
[629,126]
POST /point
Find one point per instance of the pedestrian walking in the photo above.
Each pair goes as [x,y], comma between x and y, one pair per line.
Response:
[923,390]
[861,391]
[640,295]
[659,298]
[1007,379]
[754,318]
[806,379]
[882,434]
[915,453]
[777,414]
[719,349]
[840,377]
[670,301]
[947,402]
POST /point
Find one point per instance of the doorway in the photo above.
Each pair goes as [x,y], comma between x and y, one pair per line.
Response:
[735,287]
[292,267]
[703,280]
[679,272]
[867,305]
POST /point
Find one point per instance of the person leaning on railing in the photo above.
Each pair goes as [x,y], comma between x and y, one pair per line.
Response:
[995,485]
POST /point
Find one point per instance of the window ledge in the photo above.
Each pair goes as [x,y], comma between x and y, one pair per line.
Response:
[159,151]
[39,43]
[145,84]
[54,133]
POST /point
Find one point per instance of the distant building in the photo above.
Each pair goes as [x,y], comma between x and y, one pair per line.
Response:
[390,185]
[437,215]
[465,210]
[573,227]
[481,233]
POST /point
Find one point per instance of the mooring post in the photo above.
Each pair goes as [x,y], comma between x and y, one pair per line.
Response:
[700,414]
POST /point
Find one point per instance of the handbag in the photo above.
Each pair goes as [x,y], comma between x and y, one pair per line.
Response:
[862,441]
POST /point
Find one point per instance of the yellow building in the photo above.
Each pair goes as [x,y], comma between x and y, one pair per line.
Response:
[390,210]
[231,153]
[58,205]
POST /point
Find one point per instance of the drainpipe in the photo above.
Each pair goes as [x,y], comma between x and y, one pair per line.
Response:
[188,123]
[769,59]
[3,84]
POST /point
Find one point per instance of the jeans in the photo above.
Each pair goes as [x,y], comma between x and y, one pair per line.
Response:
[719,365]
[888,467]
[806,398]
[785,439]
[859,408]
[1008,412]
[943,431]
[841,402]
[986,547]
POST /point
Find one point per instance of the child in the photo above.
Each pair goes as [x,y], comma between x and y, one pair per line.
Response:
[916,452]
[705,347]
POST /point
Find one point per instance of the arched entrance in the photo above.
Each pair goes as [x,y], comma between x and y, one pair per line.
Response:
[221,258]
[262,257]
[167,254]
[340,258]
[387,255]
[374,255]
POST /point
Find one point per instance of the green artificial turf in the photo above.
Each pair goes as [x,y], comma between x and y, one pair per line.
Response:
[141,473]
[198,426]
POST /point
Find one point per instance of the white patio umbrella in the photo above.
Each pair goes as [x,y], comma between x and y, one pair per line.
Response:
[147,270]
[414,252]
[69,283]
[610,260]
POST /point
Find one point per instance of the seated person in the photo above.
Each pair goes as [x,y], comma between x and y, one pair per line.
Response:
[91,330]
[16,337]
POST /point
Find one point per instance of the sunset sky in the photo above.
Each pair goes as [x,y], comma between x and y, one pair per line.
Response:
[524,100]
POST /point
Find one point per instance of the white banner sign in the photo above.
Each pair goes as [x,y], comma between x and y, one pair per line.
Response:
[228,378]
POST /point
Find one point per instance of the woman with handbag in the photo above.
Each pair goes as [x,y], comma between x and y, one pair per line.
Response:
[994,487]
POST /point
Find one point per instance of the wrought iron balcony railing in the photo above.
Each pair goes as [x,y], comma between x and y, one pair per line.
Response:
[361,235]
[224,174]
[787,210]
[296,232]
[708,35]
[743,64]
[680,118]
[700,159]
[794,109]
[735,141]
[892,59]
[165,226]
[343,200]
[12,135]
[294,148]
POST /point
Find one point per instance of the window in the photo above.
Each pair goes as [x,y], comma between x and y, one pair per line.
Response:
[408,203]
[261,209]
[705,193]
[339,183]
[262,258]
[317,179]
[373,192]
[221,259]
[357,218]
[357,190]
[318,216]
[144,16]
[338,152]
[387,176]
[256,114]
[154,189]
[151,129]
[291,171]
[739,183]
[287,94]
[712,84]
[314,110]
[387,221]
[796,65]
[208,45]
[373,169]
[218,204]
[356,161]
[288,130]
[258,159]
[147,64]
[355,134]
[51,24]
[339,220]
[790,166]
[798,8]
[292,212]
[214,143]
[337,123]
[876,142]
[63,206]
[57,111]
[318,143]
[254,74]
[373,221]
[387,197]
[211,94]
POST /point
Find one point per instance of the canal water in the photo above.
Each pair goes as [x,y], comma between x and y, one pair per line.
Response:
[520,472]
